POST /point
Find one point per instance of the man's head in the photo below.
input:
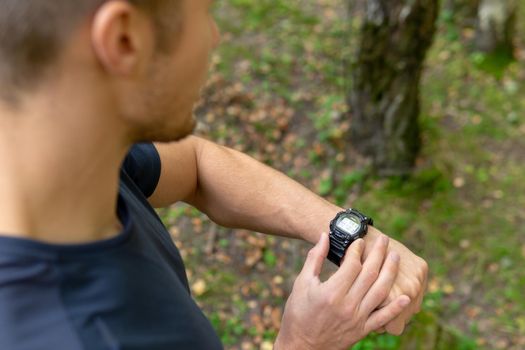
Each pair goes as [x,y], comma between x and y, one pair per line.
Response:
[150,55]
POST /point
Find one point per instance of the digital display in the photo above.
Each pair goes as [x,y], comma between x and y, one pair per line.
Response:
[348,225]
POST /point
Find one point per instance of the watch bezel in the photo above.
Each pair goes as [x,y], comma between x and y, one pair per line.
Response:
[364,221]
[340,240]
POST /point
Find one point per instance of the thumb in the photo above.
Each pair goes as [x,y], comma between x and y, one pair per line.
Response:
[316,256]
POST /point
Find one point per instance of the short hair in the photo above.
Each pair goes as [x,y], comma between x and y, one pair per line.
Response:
[33,32]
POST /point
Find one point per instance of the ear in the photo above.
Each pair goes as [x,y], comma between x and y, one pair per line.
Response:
[122,37]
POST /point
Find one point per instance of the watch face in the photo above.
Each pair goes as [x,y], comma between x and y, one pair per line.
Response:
[349,224]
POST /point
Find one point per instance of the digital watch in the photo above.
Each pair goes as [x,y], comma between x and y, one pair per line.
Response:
[345,228]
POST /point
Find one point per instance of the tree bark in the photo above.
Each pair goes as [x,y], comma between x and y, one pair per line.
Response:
[496,26]
[384,98]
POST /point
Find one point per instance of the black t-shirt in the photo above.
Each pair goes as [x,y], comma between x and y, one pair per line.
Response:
[127,292]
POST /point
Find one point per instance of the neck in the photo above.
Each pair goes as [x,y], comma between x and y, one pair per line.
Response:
[60,171]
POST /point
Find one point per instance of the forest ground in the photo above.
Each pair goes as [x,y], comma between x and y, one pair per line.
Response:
[277,92]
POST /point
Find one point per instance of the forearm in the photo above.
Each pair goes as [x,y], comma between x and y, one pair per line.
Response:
[235,190]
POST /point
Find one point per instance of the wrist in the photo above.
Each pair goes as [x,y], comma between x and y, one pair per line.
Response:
[371,235]
[285,343]
[320,224]
[290,338]
[281,343]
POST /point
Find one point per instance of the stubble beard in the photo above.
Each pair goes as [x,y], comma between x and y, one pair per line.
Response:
[163,131]
[167,118]
[171,118]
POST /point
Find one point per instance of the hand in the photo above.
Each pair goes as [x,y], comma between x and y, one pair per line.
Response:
[339,312]
[411,281]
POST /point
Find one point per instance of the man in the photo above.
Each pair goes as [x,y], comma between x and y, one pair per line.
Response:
[83,81]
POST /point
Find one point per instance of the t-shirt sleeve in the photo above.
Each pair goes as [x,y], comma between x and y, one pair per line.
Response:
[142,164]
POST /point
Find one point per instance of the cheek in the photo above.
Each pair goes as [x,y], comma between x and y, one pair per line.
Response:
[196,69]
[195,65]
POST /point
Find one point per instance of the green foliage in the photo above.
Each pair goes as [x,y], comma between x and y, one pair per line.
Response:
[378,342]
[447,20]
[230,331]
[269,258]
[325,186]
[263,13]
[328,121]
[495,63]
[347,183]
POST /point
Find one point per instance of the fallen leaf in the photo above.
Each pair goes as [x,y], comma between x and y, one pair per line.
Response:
[448,288]
[199,287]
[279,279]
[276,317]
[459,182]
[266,345]
[252,257]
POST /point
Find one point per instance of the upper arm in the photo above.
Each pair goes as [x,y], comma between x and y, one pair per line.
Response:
[142,165]
[178,177]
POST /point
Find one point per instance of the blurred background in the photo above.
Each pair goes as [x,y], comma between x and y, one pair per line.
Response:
[411,111]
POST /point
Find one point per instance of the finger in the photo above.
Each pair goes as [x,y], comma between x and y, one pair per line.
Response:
[380,330]
[316,256]
[397,325]
[371,269]
[343,278]
[419,300]
[372,231]
[380,290]
[381,317]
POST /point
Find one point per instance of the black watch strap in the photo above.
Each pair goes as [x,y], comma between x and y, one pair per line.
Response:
[338,246]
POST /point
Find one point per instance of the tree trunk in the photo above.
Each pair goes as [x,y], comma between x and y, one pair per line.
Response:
[496,26]
[384,98]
